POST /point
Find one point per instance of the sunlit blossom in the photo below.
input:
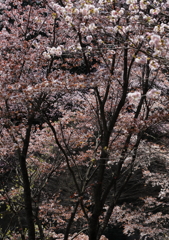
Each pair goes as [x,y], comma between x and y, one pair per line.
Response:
[141,60]
[153,93]
[89,38]
[153,65]
[134,8]
[155,40]
[154,11]
[54,51]
[68,19]
[92,27]
[134,97]
[144,4]
[46,55]
[131,1]
[114,14]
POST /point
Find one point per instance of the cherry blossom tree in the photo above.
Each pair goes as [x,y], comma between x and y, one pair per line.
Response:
[88,80]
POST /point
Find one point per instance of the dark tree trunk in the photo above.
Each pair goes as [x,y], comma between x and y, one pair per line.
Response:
[98,205]
[26,185]
[93,227]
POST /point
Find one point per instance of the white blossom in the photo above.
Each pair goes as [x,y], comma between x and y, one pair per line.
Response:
[143,4]
[92,27]
[84,11]
[141,60]
[89,38]
[53,51]
[155,11]
[114,14]
[46,55]
[68,19]
[134,97]
[131,1]
[155,40]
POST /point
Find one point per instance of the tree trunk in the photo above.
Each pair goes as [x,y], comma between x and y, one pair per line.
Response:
[98,206]
[28,201]
[93,227]
[26,185]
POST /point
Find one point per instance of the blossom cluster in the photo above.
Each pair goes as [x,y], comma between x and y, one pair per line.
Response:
[53,51]
[153,94]
[134,97]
